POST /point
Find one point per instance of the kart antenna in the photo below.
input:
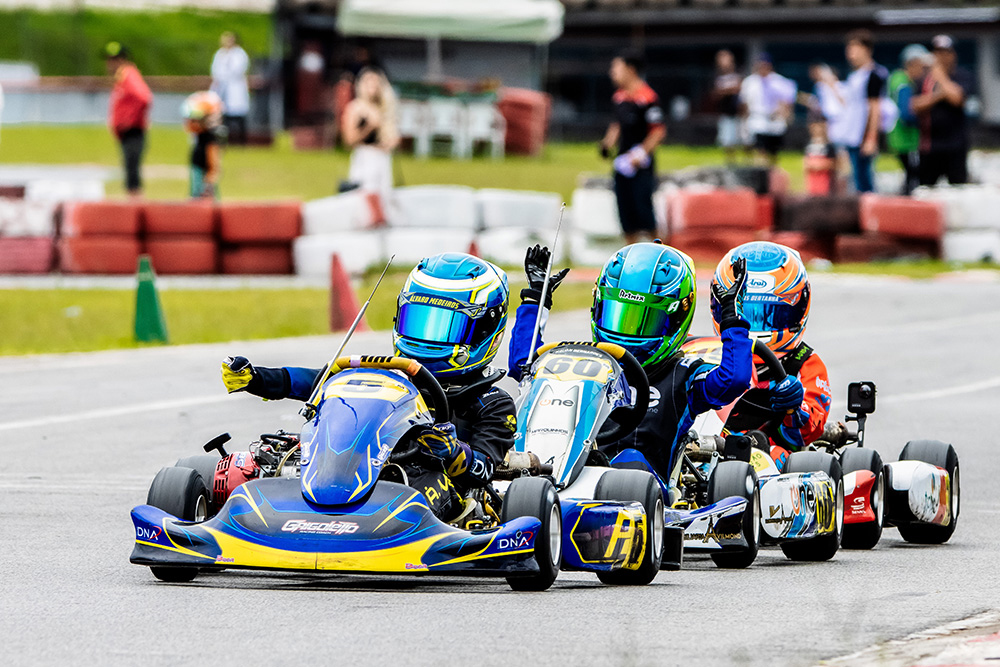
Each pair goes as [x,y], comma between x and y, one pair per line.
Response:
[545,290]
[309,409]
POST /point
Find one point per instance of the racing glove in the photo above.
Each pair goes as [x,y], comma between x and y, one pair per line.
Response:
[786,395]
[536,262]
[731,300]
[238,374]
[460,460]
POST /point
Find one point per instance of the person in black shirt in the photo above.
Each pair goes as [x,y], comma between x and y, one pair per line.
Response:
[637,130]
[726,92]
[940,106]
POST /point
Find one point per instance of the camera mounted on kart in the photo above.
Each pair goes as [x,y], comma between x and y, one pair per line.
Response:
[860,403]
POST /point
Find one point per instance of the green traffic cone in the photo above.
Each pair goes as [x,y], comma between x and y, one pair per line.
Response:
[150,326]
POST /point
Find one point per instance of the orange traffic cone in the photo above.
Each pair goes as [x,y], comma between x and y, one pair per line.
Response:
[344,305]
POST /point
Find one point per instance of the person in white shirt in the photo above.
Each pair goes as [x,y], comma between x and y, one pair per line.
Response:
[229,82]
[862,115]
[767,99]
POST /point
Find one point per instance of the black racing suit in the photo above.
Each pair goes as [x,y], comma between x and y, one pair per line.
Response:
[483,414]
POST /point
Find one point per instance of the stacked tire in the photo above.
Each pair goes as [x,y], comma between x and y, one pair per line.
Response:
[100,237]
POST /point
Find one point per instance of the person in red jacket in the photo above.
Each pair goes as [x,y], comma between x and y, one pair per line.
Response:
[128,112]
[791,412]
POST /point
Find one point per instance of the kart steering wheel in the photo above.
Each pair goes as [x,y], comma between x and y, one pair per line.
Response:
[770,360]
[423,380]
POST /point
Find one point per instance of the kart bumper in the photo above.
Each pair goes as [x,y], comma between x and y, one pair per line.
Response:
[715,527]
[797,506]
[266,524]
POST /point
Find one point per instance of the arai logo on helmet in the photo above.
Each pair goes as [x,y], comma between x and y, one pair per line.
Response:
[629,296]
[761,283]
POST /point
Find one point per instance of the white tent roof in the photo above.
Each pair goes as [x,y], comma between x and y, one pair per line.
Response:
[538,21]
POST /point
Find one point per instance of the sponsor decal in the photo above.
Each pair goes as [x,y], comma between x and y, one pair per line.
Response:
[416,566]
[520,540]
[148,534]
[777,515]
[823,385]
[565,402]
[561,431]
[858,505]
[710,534]
[511,423]
[630,296]
[225,559]
[760,283]
[440,302]
[654,397]
[320,527]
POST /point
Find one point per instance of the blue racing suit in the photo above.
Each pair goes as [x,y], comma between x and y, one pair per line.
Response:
[680,388]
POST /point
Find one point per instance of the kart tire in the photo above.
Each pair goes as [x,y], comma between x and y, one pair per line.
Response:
[736,478]
[640,487]
[865,535]
[536,497]
[942,455]
[821,547]
[205,465]
[181,492]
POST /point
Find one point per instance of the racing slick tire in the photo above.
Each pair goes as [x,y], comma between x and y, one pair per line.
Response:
[942,455]
[205,465]
[640,487]
[181,492]
[736,478]
[536,497]
[865,535]
[821,547]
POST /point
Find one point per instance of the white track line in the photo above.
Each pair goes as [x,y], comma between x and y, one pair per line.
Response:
[121,411]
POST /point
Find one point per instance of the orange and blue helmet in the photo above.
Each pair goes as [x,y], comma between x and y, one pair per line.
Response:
[776,303]
[451,313]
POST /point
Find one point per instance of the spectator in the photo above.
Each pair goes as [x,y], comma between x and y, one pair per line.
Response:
[767,99]
[202,118]
[727,102]
[637,130]
[370,130]
[128,112]
[229,82]
[862,93]
[904,139]
[940,106]
[820,159]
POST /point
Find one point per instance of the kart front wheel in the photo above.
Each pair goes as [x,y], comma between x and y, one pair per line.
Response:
[865,535]
[736,478]
[536,497]
[942,455]
[821,547]
[181,492]
[640,487]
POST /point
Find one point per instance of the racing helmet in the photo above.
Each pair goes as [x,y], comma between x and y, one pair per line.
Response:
[451,313]
[776,303]
[644,301]
[204,107]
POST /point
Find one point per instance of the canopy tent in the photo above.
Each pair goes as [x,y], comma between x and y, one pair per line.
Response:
[534,21]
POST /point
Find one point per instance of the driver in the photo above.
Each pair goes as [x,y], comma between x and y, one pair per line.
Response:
[644,300]
[450,317]
[777,306]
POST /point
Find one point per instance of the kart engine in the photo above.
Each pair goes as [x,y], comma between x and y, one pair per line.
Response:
[274,455]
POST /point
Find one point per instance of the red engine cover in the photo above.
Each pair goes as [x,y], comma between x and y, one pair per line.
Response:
[230,472]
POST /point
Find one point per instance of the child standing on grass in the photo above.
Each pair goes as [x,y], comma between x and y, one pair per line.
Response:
[820,160]
[203,120]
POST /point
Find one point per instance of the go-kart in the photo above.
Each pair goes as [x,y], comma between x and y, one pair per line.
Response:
[799,501]
[613,518]
[919,494]
[327,500]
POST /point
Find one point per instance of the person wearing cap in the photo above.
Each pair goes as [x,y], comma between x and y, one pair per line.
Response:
[767,99]
[904,138]
[128,112]
[940,106]
[863,92]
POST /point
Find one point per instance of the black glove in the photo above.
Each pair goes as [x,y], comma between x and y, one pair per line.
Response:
[605,151]
[536,261]
[731,300]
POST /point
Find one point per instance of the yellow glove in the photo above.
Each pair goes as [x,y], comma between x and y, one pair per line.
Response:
[237,373]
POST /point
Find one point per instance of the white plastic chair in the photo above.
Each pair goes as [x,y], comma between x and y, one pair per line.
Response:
[414,123]
[448,121]
[486,124]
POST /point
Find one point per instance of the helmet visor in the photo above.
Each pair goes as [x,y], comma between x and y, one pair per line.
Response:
[435,324]
[773,315]
[638,318]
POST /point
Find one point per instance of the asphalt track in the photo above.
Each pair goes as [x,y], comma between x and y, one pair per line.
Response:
[82,435]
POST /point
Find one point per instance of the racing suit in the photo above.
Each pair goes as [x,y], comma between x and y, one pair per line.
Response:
[680,389]
[483,414]
[802,426]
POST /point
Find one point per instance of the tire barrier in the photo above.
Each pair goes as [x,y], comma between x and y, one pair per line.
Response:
[902,217]
[99,254]
[183,255]
[195,218]
[256,259]
[101,218]
[27,254]
[258,223]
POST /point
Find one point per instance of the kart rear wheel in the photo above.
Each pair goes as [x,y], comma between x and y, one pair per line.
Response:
[536,497]
[181,492]
[205,465]
[865,535]
[736,478]
[821,547]
[942,455]
[640,487]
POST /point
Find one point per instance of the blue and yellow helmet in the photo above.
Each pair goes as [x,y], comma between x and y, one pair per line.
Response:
[451,313]
[778,296]
[644,301]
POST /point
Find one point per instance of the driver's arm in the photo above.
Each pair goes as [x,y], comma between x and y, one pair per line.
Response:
[712,387]
[493,424]
[270,383]
[815,408]
[520,337]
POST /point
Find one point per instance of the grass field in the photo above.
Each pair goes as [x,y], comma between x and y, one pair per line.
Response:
[281,172]
[65,43]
